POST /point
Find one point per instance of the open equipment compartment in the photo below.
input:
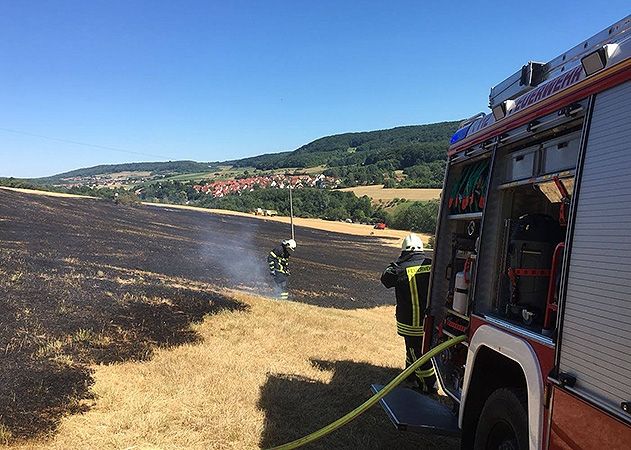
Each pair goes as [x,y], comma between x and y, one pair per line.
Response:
[525,228]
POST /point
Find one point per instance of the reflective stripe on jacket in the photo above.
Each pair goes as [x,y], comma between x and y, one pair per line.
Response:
[278,260]
[409,275]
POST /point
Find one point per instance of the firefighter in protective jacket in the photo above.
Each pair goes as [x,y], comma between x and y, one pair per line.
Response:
[278,260]
[409,275]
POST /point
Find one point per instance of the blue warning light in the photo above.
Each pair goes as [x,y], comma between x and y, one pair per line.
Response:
[460,134]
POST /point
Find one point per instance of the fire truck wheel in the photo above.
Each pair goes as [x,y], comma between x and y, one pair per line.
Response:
[503,423]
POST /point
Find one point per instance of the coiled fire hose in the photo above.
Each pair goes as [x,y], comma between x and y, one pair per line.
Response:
[372,400]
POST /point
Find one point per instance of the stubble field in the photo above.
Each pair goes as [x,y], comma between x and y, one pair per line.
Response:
[139,327]
[378,192]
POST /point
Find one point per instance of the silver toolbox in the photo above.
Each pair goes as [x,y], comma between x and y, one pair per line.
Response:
[521,164]
[560,154]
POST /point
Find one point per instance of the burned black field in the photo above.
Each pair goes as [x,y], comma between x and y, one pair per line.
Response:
[82,282]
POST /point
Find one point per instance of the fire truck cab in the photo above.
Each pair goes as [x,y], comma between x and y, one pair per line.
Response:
[533,262]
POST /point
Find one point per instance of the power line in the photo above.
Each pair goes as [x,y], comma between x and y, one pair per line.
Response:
[85,144]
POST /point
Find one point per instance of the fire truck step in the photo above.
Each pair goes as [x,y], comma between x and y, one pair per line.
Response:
[410,410]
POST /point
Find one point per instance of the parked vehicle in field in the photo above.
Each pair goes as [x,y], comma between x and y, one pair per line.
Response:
[380,226]
[533,259]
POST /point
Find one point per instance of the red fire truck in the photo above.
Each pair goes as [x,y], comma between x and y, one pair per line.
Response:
[533,262]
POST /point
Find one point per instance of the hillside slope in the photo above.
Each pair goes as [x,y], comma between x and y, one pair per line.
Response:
[155,168]
[402,146]
[357,158]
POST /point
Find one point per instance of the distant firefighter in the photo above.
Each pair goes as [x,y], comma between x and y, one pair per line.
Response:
[278,260]
[116,198]
[409,275]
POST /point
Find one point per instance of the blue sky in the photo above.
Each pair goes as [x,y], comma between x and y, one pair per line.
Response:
[215,80]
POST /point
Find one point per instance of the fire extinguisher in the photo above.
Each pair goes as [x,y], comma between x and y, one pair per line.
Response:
[461,289]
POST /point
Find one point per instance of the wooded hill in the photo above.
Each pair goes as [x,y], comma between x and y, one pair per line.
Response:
[356,158]
[156,168]
[371,157]
[401,146]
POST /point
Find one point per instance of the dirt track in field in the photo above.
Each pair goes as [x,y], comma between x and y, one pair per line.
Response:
[82,282]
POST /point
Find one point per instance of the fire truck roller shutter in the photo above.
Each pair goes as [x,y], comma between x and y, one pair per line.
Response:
[596,331]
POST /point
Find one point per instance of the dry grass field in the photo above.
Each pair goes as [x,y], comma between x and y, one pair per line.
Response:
[258,376]
[377,192]
[139,327]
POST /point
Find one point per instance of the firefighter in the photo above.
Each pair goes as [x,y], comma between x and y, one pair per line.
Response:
[409,275]
[278,260]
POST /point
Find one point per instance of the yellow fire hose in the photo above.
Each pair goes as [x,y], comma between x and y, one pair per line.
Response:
[372,400]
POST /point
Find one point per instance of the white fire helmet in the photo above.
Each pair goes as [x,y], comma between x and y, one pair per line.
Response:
[290,243]
[412,243]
